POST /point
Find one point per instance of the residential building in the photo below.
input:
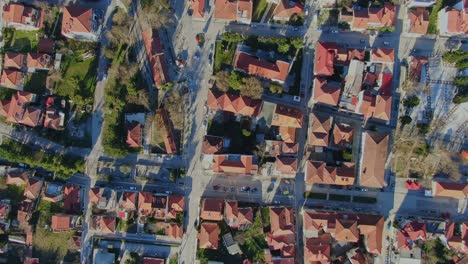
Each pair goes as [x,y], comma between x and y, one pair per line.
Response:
[287,134]
[102,198]
[169,141]
[209,236]
[212,145]
[80,23]
[22,17]
[319,130]
[211,209]
[18,177]
[285,116]
[12,79]
[234,10]
[418,21]
[172,230]
[103,224]
[237,164]
[346,228]
[383,55]
[175,206]
[19,109]
[38,61]
[343,135]
[24,211]
[326,93]
[54,119]
[62,222]
[145,203]
[198,9]
[409,234]
[458,242]
[71,199]
[238,218]
[453,20]
[417,68]
[325,55]
[148,260]
[317,172]
[236,104]
[33,188]
[282,236]
[286,166]
[276,71]
[372,17]
[317,249]
[373,159]
[156,57]
[4,209]
[134,134]
[285,9]
[14,60]
[46,45]
[126,203]
[450,189]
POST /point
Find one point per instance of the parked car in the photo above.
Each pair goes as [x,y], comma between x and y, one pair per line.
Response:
[254,189]
[297,99]
[133,188]
[168,192]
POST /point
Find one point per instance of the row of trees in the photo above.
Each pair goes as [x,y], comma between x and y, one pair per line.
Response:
[249,86]
[281,45]
[459,57]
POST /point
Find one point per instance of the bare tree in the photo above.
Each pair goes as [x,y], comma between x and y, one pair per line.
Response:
[156,14]
[222,82]
[252,88]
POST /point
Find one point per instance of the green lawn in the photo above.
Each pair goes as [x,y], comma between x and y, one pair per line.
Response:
[339,197]
[259,8]
[363,199]
[79,79]
[224,55]
[20,41]
[311,195]
[36,82]
[50,247]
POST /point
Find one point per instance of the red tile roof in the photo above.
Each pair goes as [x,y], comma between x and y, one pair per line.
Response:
[289,148]
[233,9]
[383,16]
[258,67]
[450,189]
[60,222]
[346,230]
[237,217]
[282,235]
[17,177]
[175,204]
[76,19]
[319,172]
[415,65]
[46,45]
[374,158]
[156,56]
[198,7]
[145,202]
[319,130]
[418,20]
[148,260]
[38,61]
[71,199]
[287,116]
[208,236]
[20,14]
[128,200]
[24,211]
[53,120]
[242,164]
[33,188]
[134,131]
[14,60]
[287,134]
[383,55]
[103,224]
[11,78]
[212,145]
[325,93]
[317,250]
[287,166]
[343,135]
[172,230]
[457,21]
[457,242]
[234,103]
[324,57]
[212,209]
[383,107]
[169,142]
[285,9]
[4,210]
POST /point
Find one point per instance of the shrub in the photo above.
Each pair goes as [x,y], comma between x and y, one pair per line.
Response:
[235,80]
[246,133]
[423,128]
[411,101]
[405,120]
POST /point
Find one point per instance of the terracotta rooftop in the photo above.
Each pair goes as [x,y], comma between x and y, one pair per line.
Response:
[457,21]
[157,59]
[172,230]
[418,20]
[11,78]
[14,60]
[383,107]
[241,164]
[450,189]
[346,230]
[287,116]
[60,222]
[212,209]
[234,103]
[324,57]
[104,224]
[325,93]
[39,60]
[33,188]
[383,16]
[317,250]
[21,14]
[17,177]
[208,236]
[262,68]
[148,260]
[237,217]
[285,9]
[319,172]
[233,9]
[175,204]
[343,135]
[374,158]
[128,200]
[212,144]
[198,7]
[46,45]
[416,64]
[287,166]
[457,242]
[282,235]
[77,19]
[383,55]
[319,130]
[289,148]
[287,134]
[410,233]
[71,199]
[145,202]
[134,132]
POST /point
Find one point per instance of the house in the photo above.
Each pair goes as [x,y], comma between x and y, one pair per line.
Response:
[238,218]
[234,10]
[159,207]
[53,192]
[102,198]
[457,242]
[211,209]
[317,250]
[238,164]
[287,134]
[453,21]
[209,236]
[198,7]
[236,104]
[276,71]
[379,107]
[418,21]
[134,134]
[19,109]
[285,116]
[382,16]
[383,107]
[46,45]
[383,55]
[54,119]
[4,209]
[14,60]
[12,79]
[18,177]
[175,205]
[285,9]
[326,93]
[407,236]
[156,58]
[148,260]
[212,145]
[286,166]
[317,172]
[289,148]
[62,222]
[24,211]
[80,23]
[127,201]
[282,236]
[71,199]
[450,189]
[22,17]
[343,135]
[33,188]
[103,224]
[319,130]
[169,141]
[145,203]
[325,55]
[417,67]
[373,159]
[38,61]
[346,227]
[172,230]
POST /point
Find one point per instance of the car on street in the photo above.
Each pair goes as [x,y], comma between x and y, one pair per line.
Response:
[245,189]
[296,29]
[297,99]
[168,192]
[334,31]
[254,190]
[362,41]
[386,43]
[133,188]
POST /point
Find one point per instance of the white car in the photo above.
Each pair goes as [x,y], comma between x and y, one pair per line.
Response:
[297,99]
[168,192]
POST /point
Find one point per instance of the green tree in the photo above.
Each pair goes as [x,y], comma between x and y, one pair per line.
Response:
[404,120]
[246,133]
[423,128]
[283,48]
[454,56]
[461,81]
[276,88]
[235,80]
[411,101]
[232,37]
[348,154]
